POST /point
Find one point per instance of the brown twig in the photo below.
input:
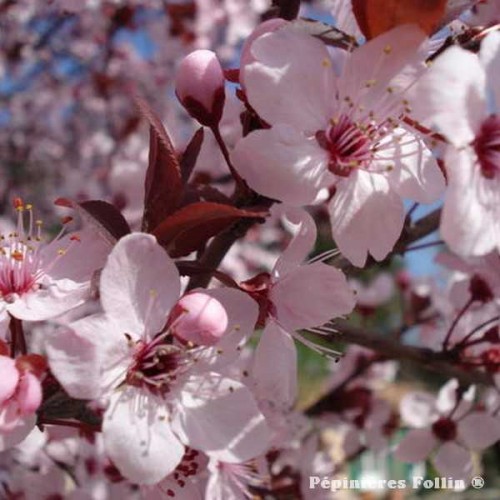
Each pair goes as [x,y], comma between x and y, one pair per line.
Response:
[424,357]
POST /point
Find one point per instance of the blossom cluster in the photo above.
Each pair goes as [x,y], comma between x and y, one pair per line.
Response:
[151,347]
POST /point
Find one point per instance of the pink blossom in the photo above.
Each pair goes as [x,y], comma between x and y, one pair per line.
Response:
[200,86]
[446,428]
[162,394]
[20,397]
[297,294]
[199,318]
[344,133]
[454,97]
[40,279]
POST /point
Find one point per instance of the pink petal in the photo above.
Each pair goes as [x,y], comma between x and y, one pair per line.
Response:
[310,296]
[291,86]
[242,312]
[303,241]
[29,394]
[138,437]
[220,417]
[416,174]
[9,379]
[417,409]
[470,219]
[274,367]
[490,59]
[452,96]
[282,163]
[56,299]
[415,446]
[139,284]
[18,434]
[86,355]
[393,59]
[82,258]
[479,430]
[452,460]
[367,216]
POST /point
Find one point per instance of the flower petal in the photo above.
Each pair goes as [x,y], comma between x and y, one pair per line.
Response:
[470,222]
[366,217]
[310,296]
[452,96]
[451,460]
[416,174]
[291,86]
[242,313]
[415,446]
[87,355]
[220,417]
[139,284]
[274,367]
[282,163]
[490,58]
[417,409]
[10,378]
[138,437]
[303,241]
[479,430]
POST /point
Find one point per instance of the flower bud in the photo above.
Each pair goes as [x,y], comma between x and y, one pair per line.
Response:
[199,318]
[200,86]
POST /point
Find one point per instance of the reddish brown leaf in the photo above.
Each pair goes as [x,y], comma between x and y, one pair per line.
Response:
[378,16]
[102,216]
[188,160]
[163,185]
[190,227]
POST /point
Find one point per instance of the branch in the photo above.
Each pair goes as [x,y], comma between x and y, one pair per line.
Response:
[286,9]
[216,252]
[423,357]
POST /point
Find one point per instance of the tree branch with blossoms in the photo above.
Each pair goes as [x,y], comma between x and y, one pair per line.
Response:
[232,275]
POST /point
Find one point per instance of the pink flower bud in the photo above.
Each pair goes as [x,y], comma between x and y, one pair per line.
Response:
[200,86]
[29,393]
[199,318]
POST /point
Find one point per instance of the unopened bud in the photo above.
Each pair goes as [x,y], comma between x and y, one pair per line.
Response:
[199,318]
[200,86]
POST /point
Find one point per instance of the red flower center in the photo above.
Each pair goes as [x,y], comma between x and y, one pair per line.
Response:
[487,147]
[445,429]
[348,145]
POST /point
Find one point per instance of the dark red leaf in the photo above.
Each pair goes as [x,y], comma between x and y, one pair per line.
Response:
[188,160]
[190,227]
[378,16]
[163,185]
[101,215]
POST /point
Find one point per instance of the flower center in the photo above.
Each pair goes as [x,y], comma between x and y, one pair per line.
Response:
[348,145]
[487,147]
[21,264]
[445,429]
[156,366]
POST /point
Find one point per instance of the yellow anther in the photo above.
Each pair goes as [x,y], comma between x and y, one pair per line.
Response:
[28,206]
[17,255]
[326,63]
[387,49]
[39,222]
[61,252]
[371,83]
